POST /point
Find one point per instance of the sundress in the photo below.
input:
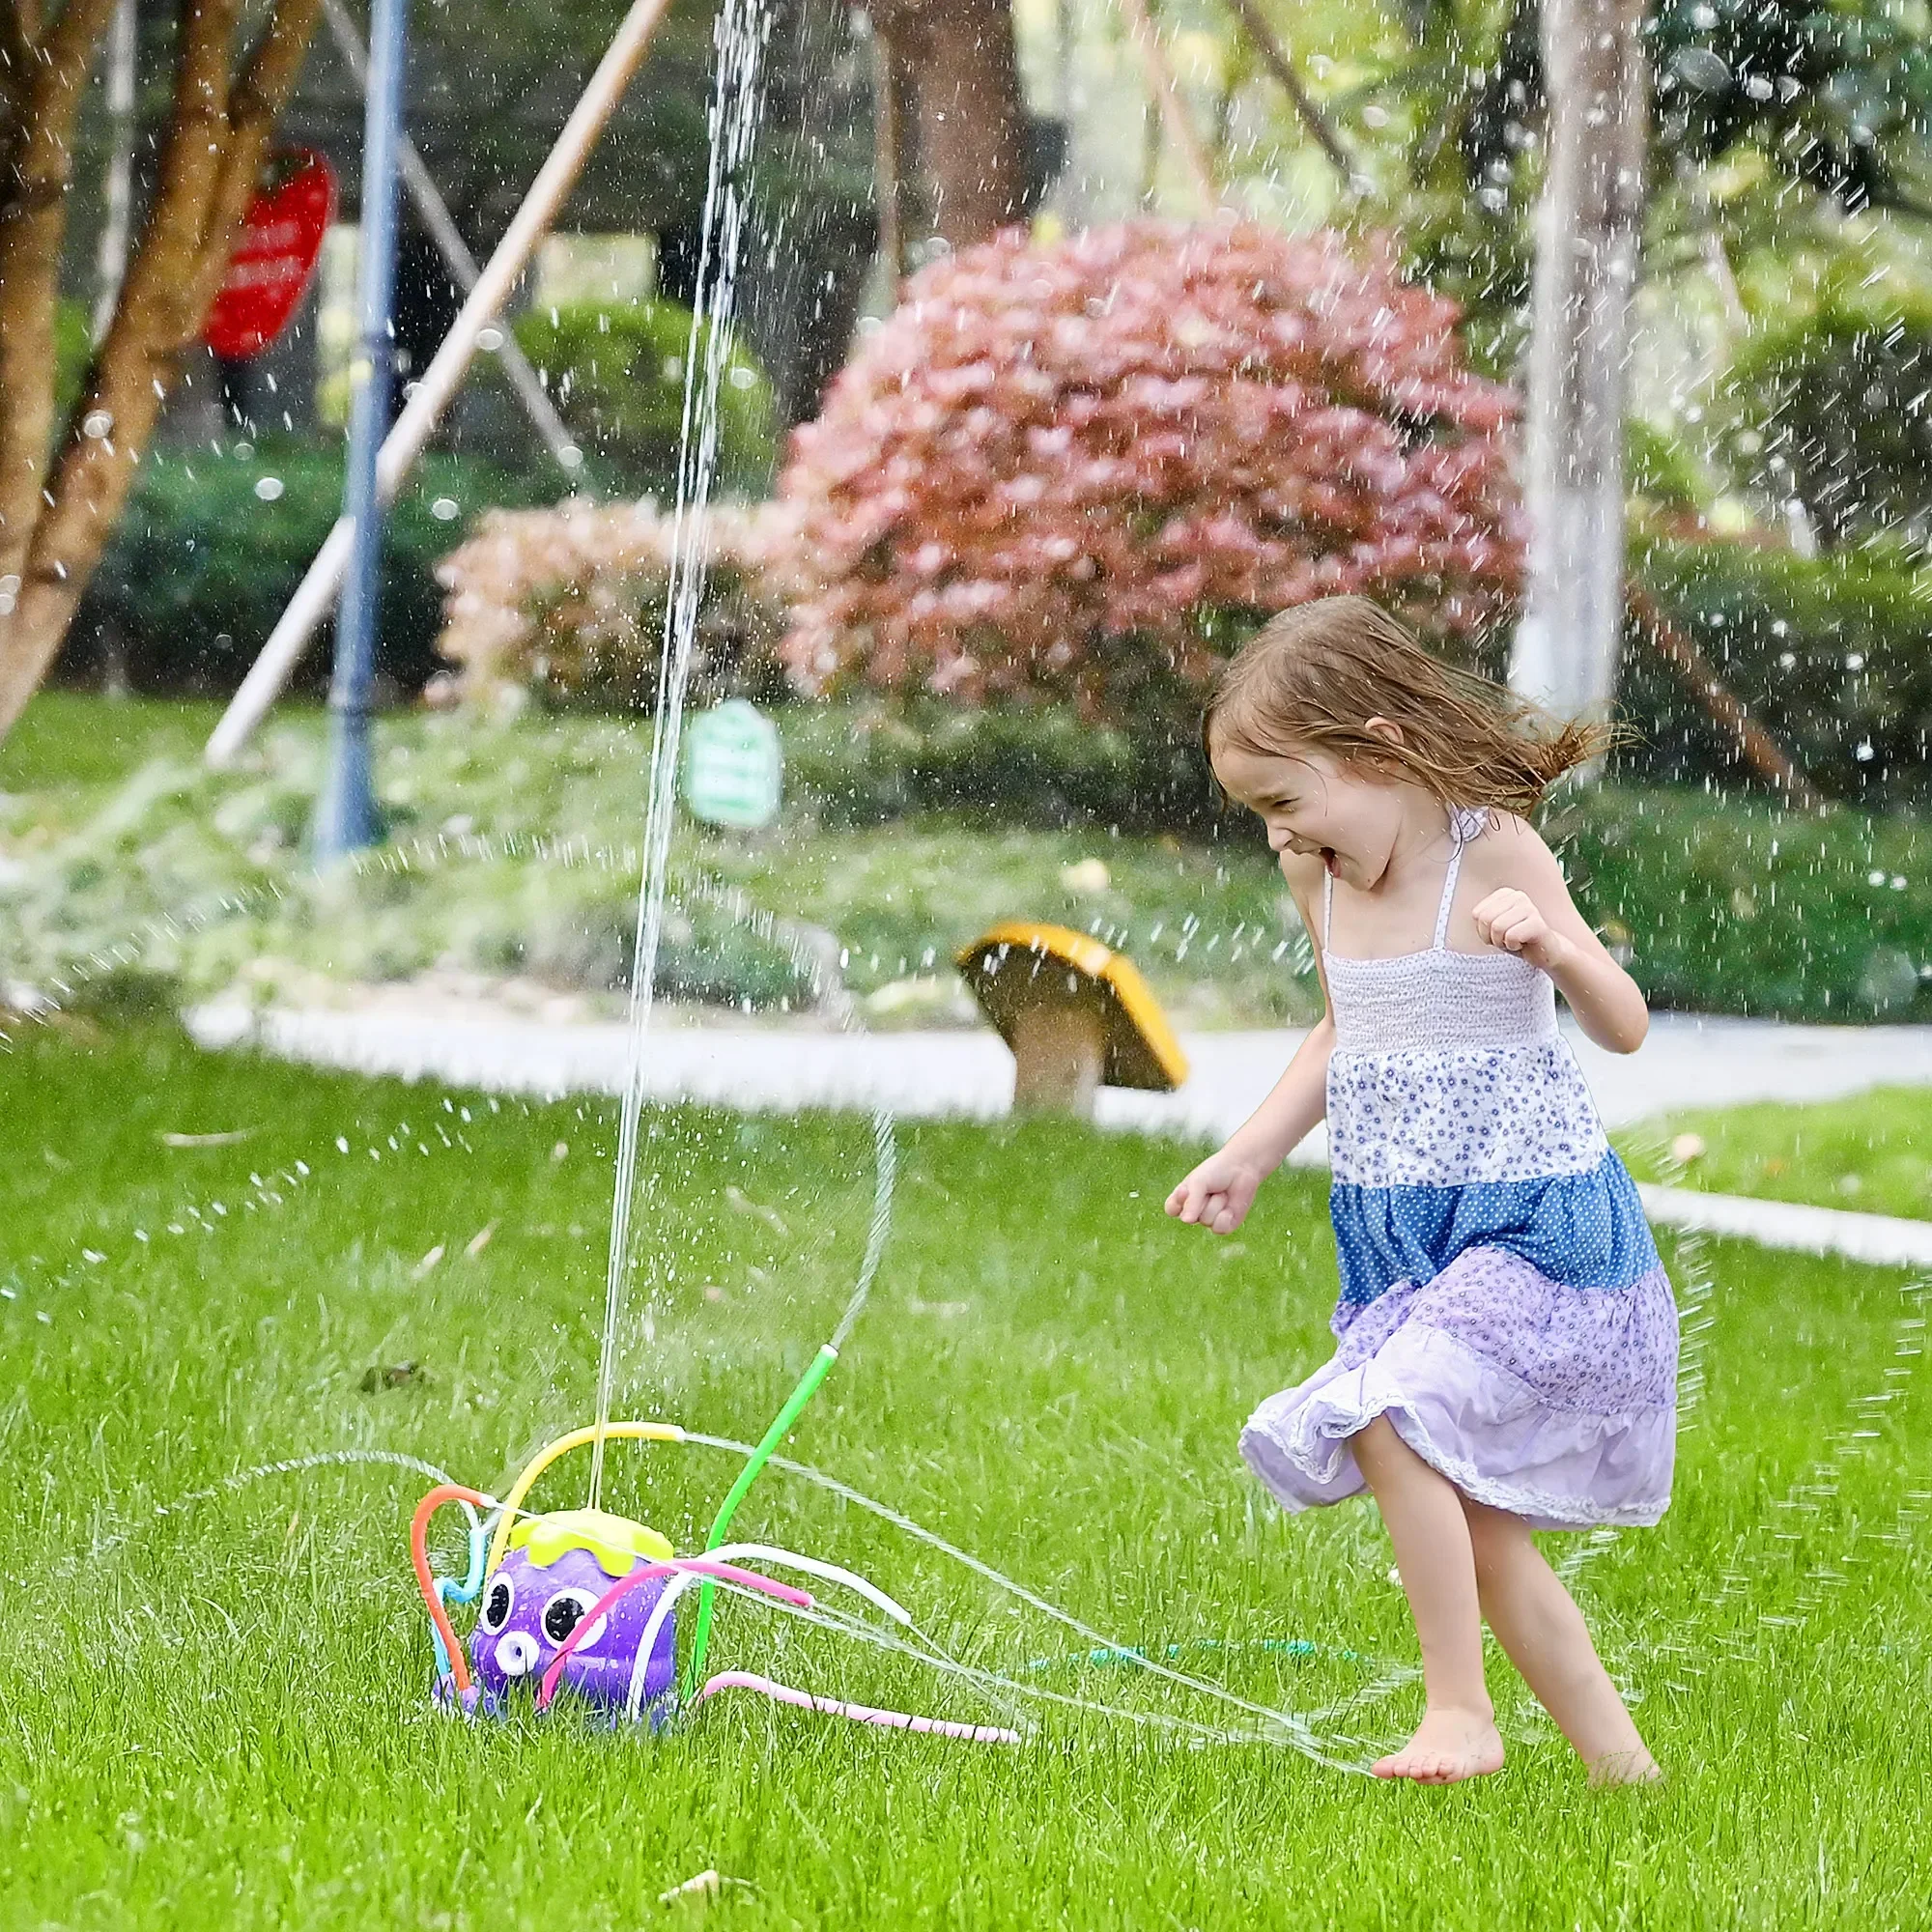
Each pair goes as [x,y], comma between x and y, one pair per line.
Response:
[1502,1301]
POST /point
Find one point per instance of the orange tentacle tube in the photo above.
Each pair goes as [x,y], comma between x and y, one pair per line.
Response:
[443,1492]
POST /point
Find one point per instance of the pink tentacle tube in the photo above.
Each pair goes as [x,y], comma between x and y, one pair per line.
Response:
[862,1714]
[724,1573]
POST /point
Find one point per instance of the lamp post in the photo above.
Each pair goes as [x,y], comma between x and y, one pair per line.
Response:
[346,815]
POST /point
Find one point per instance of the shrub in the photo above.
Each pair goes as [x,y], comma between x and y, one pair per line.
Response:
[617,374]
[1835,409]
[1081,470]
[867,763]
[569,604]
[1736,906]
[201,566]
[1829,653]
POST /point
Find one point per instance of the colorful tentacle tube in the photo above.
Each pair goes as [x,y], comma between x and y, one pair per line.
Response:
[695,1566]
[611,1432]
[861,1713]
[449,1590]
[817,1370]
[443,1492]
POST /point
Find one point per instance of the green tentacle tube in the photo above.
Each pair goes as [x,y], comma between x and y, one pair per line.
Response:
[807,1387]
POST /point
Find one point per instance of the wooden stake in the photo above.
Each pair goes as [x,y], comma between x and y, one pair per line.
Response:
[1166,92]
[1728,711]
[1275,55]
[440,382]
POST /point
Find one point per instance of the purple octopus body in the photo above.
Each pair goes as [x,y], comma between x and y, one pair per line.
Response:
[529,1610]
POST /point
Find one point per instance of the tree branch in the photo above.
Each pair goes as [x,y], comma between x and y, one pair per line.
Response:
[258,100]
[1282,68]
[134,365]
[219,133]
[1168,99]
[17,51]
[1753,742]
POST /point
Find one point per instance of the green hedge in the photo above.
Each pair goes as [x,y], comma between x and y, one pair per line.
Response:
[615,372]
[865,764]
[201,566]
[1830,405]
[1729,902]
[1726,904]
[1829,654]
[1731,905]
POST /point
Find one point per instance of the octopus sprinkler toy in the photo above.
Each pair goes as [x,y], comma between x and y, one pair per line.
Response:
[584,1601]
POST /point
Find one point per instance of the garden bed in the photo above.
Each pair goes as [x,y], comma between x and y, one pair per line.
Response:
[514,853]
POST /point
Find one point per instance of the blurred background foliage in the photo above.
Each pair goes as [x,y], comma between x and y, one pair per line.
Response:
[1780,446]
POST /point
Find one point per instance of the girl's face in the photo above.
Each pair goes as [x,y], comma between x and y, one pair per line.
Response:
[1314,805]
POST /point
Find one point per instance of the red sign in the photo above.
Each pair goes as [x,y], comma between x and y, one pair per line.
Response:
[274,256]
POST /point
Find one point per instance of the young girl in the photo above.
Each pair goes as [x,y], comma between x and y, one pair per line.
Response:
[1507,1341]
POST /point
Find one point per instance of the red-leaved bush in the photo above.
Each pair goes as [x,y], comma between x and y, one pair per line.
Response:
[1054,468]
[569,603]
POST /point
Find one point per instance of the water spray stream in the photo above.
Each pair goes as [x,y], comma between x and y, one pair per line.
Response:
[885,1147]
[742,28]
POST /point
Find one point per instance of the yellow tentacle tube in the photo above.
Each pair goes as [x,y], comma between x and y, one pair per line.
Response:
[611,1432]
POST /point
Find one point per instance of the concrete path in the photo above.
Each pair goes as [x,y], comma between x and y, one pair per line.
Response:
[1685,1063]
[1883,1240]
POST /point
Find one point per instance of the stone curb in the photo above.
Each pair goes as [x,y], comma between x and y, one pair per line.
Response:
[1885,1240]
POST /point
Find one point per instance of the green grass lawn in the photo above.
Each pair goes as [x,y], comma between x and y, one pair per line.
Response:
[216,1715]
[75,744]
[1871,1154]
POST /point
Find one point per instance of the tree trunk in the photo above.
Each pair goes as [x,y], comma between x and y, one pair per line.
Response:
[1588,231]
[219,134]
[33,219]
[111,257]
[966,110]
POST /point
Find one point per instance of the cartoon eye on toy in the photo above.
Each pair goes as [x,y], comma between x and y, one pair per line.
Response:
[565,1611]
[497,1605]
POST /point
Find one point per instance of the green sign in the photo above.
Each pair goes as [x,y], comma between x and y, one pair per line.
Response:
[733,766]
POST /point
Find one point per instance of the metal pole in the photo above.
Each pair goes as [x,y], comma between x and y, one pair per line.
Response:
[346,816]
[422,191]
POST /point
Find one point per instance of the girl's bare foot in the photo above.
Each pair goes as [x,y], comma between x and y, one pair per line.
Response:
[1631,1767]
[1449,1745]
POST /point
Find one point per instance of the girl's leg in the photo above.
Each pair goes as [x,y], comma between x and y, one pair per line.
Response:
[1538,1623]
[1423,1512]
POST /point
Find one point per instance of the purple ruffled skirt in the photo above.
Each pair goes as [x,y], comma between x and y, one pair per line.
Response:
[1556,1404]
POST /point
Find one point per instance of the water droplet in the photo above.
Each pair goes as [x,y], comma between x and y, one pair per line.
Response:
[269,488]
[1698,67]
[445,509]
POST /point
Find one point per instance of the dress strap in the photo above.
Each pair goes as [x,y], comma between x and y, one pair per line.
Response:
[1459,836]
[1327,905]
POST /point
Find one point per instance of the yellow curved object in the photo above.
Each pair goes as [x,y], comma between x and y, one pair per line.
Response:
[1142,1050]
[616,1543]
[611,1432]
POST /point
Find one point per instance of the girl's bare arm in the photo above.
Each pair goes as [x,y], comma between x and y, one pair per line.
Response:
[1530,912]
[1218,1193]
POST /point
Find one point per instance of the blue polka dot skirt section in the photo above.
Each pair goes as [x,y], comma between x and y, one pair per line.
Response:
[1502,1301]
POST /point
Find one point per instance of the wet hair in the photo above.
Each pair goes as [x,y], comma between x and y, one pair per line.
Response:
[1312,677]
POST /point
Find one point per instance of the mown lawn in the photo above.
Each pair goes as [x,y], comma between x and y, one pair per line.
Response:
[216,1715]
[1871,1153]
